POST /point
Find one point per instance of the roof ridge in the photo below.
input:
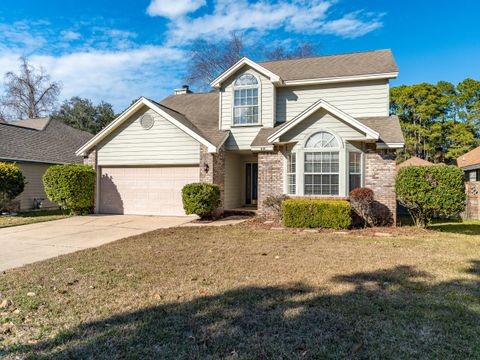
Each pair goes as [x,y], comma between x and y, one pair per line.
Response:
[7,123]
[322,56]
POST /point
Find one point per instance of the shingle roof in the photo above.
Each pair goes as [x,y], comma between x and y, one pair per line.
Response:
[470,158]
[55,143]
[351,64]
[198,111]
[414,161]
[38,123]
[388,128]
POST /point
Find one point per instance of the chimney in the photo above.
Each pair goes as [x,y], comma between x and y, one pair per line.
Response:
[183,90]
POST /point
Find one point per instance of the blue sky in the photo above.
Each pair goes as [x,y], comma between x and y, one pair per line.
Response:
[118,50]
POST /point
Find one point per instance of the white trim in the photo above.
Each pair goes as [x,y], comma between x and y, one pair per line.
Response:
[216,83]
[390,145]
[322,104]
[339,79]
[261,148]
[33,161]
[130,111]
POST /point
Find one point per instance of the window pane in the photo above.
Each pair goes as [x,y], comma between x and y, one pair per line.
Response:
[322,139]
[321,173]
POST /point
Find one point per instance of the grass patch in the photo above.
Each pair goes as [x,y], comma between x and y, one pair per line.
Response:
[30,217]
[251,293]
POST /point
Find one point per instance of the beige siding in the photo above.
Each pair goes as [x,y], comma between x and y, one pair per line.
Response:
[34,189]
[240,138]
[163,144]
[321,120]
[368,98]
[235,178]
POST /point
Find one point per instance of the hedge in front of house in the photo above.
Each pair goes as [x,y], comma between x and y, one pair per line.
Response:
[431,190]
[201,199]
[12,184]
[316,213]
[72,186]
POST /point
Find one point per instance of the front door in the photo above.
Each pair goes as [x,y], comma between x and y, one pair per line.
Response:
[251,183]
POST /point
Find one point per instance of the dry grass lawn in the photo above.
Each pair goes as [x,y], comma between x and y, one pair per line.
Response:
[30,217]
[247,292]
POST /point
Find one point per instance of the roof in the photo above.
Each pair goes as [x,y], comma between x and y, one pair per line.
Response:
[388,128]
[200,110]
[414,161]
[469,159]
[351,64]
[55,142]
[36,123]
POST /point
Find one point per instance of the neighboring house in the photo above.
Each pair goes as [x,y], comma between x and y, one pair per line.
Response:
[310,127]
[470,164]
[414,161]
[34,145]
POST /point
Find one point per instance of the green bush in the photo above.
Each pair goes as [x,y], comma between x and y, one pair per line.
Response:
[71,186]
[201,199]
[315,213]
[12,183]
[431,190]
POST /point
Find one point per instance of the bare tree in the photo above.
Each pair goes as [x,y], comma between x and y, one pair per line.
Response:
[209,59]
[281,53]
[29,94]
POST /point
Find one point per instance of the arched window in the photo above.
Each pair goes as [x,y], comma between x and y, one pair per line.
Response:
[245,100]
[321,164]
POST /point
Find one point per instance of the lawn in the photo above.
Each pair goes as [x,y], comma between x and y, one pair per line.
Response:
[30,217]
[249,292]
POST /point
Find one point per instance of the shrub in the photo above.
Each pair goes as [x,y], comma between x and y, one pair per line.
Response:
[12,183]
[431,190]
[361,201]
[313,213]
[274,203]
[201,199]
[71,186]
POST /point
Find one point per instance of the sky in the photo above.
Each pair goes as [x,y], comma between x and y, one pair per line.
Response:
[117,51]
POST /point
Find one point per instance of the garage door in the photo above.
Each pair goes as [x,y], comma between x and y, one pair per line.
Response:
[144,190]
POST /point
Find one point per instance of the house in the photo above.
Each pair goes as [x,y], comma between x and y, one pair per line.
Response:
[34,145]
[414,161]
[470,164]
[310,127]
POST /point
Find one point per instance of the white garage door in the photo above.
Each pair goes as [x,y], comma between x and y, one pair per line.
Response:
[144,190]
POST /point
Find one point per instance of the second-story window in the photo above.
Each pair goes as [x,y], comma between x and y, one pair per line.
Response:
[245,100]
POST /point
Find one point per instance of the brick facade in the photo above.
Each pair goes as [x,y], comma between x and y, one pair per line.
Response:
[270,177]
[212,170]
[380,171]
[472,209]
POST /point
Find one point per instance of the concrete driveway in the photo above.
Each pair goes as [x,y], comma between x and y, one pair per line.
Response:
[20,245]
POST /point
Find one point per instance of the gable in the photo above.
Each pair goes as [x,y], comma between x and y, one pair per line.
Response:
[321,120]
[162,144]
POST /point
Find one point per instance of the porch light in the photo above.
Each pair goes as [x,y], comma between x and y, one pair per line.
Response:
[206,167]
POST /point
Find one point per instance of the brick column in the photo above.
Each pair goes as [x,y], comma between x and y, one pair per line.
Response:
[216,171]
[270,177]
[380,172]
[91,159]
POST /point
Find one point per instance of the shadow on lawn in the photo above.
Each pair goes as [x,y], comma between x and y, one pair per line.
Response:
[465,228]
[395,313]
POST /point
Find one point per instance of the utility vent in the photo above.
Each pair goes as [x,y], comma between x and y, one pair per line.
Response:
[147,121]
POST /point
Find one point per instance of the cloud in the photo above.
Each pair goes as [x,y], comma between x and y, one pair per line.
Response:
[173,8]
[69,35]
[117,77]
[299,17]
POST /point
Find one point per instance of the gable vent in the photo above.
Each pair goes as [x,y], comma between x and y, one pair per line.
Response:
[147,121]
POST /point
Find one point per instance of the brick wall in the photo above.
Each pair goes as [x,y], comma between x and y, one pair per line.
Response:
[380,171]
[91,159]
[472,209]
[270,177]
[216,170]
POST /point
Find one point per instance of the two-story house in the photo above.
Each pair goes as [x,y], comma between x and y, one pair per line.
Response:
[311,127]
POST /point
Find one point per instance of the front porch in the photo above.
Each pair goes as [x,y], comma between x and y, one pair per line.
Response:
[241,181]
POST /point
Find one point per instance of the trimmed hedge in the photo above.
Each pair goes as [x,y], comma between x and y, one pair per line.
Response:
[71,186]
[201,199]
[12,184]
[316,213]
[431,190]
